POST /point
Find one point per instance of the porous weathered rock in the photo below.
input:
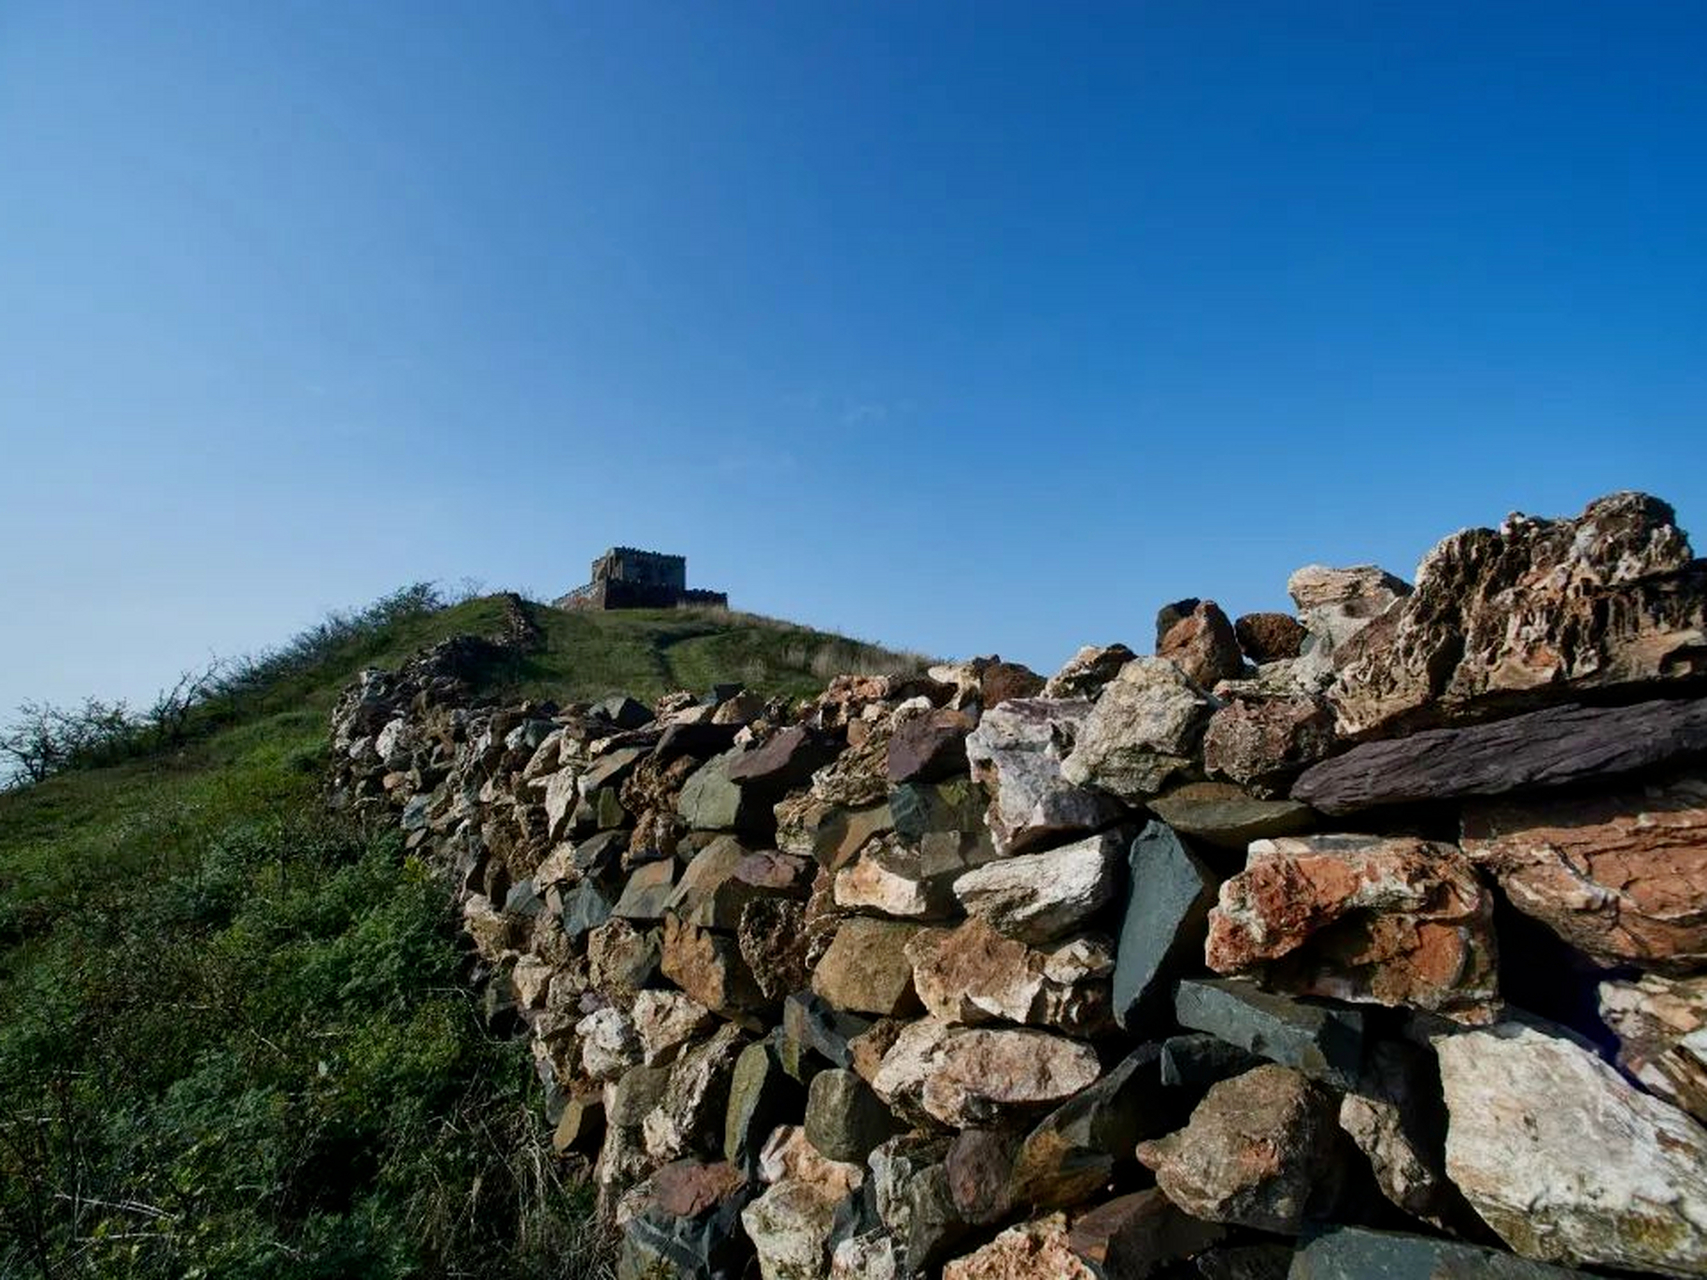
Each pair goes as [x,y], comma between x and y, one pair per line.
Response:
[1016,752]
[1132,1237]
[1357,1253]
[1269,637]
[1227,816]
[973,974]
[772,940]
[1568,1162]
[1263,743]
[1143,732]
[689,1117]
[1323,1042]
[1027,1251]
[1621,875]
[1388,920]
[622,959]
[866,970]
[1039,896]
[1258,1148]
[1168,900]
[1532,613]
[930,746]
[1556,747]
[1087,671]
[1202,644]
[1660,1025]
[844,1118]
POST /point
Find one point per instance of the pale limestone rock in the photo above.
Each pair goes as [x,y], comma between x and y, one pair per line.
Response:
[665,1021]
[1661,1025]
[973,974]
[1144,731]
[609,1044]
[1016,753]
[1028,1251]
[1038,896]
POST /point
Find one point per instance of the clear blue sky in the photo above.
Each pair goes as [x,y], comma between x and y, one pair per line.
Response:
[965,327]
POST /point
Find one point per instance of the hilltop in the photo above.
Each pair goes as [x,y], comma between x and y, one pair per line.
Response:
[247,1019]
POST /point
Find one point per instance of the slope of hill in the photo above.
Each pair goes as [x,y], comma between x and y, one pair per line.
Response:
[232,1037]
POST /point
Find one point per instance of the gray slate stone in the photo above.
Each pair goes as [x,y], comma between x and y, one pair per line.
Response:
[761,1097]
[585,908]
[1318,1040]
[1355,1253]
[845,1120]
[1167,909]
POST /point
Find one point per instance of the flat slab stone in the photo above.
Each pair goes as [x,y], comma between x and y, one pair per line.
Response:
[1321,1041]
[1167,908]
[1357,1253]
[1227,816]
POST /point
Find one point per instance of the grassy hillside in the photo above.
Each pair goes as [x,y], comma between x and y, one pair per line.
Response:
[233,1039]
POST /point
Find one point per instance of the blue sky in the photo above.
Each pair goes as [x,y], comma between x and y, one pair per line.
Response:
[965,327]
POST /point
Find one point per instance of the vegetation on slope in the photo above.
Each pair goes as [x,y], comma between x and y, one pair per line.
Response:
[233,1036]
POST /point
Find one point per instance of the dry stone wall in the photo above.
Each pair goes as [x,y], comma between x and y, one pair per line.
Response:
[1366,941]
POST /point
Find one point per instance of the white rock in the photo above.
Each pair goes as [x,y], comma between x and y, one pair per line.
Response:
[665,1021]
[1038,896]
[1568,1162]
[1016,752]
[609,1045]
[1144,729]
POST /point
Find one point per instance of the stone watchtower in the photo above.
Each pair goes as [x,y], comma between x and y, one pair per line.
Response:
[628,578]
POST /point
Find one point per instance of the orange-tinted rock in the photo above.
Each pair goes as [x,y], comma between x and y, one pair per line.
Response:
[1621,876]
[1394,921]
[708,966]
[1028,1251]
[1200,643]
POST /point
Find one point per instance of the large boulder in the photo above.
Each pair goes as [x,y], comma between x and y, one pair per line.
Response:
[1039,896]
[1621,875]
[1017,752]
[1259,1152]
[1387,920]
[1567,1161]
[1144,731]
[1534,612]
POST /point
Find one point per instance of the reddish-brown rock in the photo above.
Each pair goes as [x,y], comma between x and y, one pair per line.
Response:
[1269,637]
[1529,614]
[925,748]
[1201,643]
[1028,1251]
[1621,876]
[1264,743]
[1394,921]
[708,966]
[1133,1236]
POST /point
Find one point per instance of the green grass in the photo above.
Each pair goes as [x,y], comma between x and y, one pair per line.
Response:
[234,1038]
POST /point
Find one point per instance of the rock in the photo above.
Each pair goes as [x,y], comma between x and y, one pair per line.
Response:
[1143,732]
[707,1244]
[876,1255]
[788,1156]
[622,711]
[923,810]
[1557,747]
[1028,1251]
[724,877]
[560,796]
[979,1076]
[689,1118]
[647,893]
[1384,920]
[708,966]
[929,746]
[810,1023]
[1202,645]
[1395,1120]
[979,1166]
[1088,671]
[1258,1149]
[1269,637]
[1357,1253]
[844,1118]
[581,1127]
[910,1186]
[1132,1237]
[586,908]
[865,969]
[790,1226]
[761,1097]
[1197,1060]
[1038,896]
[972,974]
[1658,1022]
[1086,1143]
[1167,907]
[609,1045]
[1333,606]
[1621,876]
[1252,1262]
[1264,743]
[622,959]
[771,939]
[1534,613]
[1016,752]
[711,800]
[785,760]
[631,1098]
[1322,1042]
[665,1021]
[1566,1161]
[1227,816]
[911,882]
[829,833]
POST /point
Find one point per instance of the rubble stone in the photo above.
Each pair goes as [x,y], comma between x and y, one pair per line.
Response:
[1660,1025]
[1269,637]
[866,969]
[973,974]
[1027,1251]
[1168,899]
[1202,644]
[1322,1042]
[1038,896]
[1143,732]
[1016,752]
